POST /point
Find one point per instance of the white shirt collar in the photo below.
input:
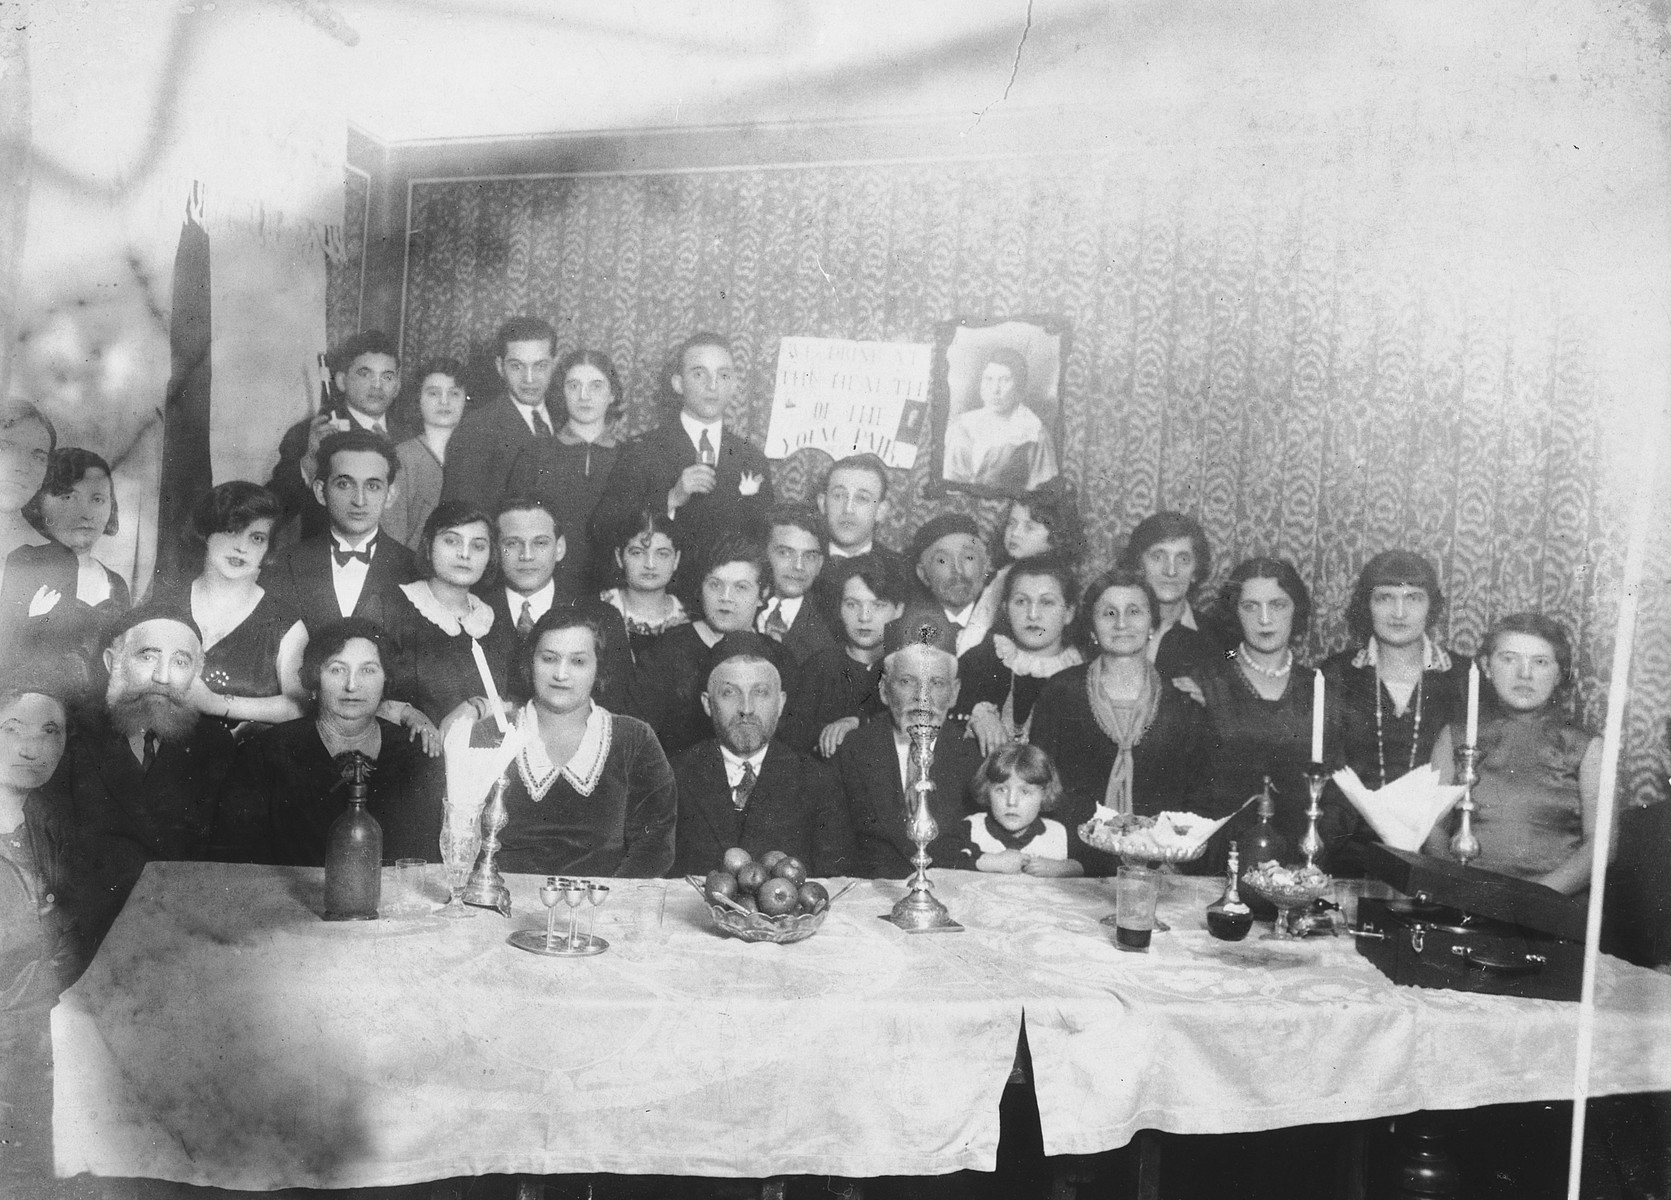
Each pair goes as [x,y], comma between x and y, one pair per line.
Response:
[539,601]
[375,424]
[527,411]
[734,763]
[839,552]
[790,607]
[694,428]
[961,617]
[365,543]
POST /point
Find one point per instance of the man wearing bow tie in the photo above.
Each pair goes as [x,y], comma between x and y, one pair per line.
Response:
[349,570]
[708,479]
[484,447]
[368,382]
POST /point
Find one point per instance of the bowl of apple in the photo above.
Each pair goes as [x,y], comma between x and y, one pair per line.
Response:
[769,900]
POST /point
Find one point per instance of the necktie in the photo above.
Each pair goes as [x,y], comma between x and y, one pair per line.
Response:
[745,785]
[345,556]
[542,427]
[150,751]
[705,450]
[776,626]
[525,622]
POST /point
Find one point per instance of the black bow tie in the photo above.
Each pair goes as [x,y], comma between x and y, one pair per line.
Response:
[344,557]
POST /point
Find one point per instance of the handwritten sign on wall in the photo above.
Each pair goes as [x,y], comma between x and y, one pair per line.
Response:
[845,397]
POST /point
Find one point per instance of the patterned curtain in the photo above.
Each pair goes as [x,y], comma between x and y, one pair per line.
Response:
[1273,357]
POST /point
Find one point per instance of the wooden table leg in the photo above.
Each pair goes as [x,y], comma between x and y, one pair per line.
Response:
[1422,1167]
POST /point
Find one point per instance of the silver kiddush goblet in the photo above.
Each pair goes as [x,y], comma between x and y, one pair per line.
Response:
[1311,845]
[1464,844]
[919,911]
[486,888]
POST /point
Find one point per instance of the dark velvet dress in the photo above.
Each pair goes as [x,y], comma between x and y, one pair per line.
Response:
[623,829]
[666,686]
[1172,766]
[285,791]
[982,678]
[71,626]
[245,661]
[434,669]
[1404,740]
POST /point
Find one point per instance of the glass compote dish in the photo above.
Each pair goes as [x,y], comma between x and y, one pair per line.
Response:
[1286,888]
[1162,841]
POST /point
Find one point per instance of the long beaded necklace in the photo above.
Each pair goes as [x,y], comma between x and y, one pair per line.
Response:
[1380,737]
[1245,656]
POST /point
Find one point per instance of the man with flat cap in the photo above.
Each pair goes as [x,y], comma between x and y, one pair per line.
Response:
[950,561]
[145,774]
[874,764]
[742,787]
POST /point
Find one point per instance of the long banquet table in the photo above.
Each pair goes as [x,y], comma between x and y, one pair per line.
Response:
[225,1035]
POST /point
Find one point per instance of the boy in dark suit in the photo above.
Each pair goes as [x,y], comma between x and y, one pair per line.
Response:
[874,763]
[707,478]
[485,445]
[348,571]
[795,549]
[744,788]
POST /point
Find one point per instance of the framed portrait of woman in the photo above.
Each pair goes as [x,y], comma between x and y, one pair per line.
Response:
[997,398]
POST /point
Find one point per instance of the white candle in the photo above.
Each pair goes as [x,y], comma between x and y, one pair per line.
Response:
[488,686]
[1317,717]
[1472,735]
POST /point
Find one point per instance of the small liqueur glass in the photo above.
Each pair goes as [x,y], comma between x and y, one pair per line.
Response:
[551,895]
[596,894]
[574,895]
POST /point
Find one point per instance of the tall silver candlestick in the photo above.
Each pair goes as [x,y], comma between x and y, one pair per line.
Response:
[1464,844]
[1311,845]
[486,888]
[919,911]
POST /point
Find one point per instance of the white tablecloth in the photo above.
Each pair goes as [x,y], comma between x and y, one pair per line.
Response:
[227,1036]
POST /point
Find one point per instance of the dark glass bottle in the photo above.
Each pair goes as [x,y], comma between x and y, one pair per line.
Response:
[354,851]
[1264,843]
[1228,919]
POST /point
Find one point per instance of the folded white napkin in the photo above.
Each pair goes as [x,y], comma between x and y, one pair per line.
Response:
[1404,811]
[471,770]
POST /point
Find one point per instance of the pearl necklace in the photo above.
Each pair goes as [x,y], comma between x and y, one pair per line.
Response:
[1245,657]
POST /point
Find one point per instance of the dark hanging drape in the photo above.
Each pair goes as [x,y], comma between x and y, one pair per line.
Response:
[187,472]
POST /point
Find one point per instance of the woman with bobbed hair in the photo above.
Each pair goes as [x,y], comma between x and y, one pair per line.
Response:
[252,639]
[441,402]
[1000,444]
[999,679]
[286,786]
[1540,770]
[434,622]
[568,472]
[1044,522]
[59,594]
[1172,552]
[1259,697]
[1119,735]
[591,792]
[1391,693]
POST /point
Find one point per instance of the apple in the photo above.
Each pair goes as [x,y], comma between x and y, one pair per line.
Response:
[777,897]
[720,883]
[746,902]
[771,858]
[735,859]
[792,869]
[813,897]
[750,876]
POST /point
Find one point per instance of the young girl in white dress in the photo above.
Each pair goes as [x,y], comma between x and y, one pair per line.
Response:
[1014,786]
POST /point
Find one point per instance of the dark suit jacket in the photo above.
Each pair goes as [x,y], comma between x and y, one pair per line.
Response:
[867,769]
[292,490]
[795,807]
[650,465]
[285,792]
[809,634]
[301,575]
[126,816]
[482,451]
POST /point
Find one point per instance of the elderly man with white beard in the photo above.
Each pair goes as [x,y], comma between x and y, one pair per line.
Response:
[145,775]
[744,788]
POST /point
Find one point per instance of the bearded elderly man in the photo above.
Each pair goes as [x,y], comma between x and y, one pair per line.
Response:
[875,764]
[146,774]
[744,788]
[951,562]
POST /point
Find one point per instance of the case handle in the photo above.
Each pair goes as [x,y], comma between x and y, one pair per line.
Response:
[1518,964]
